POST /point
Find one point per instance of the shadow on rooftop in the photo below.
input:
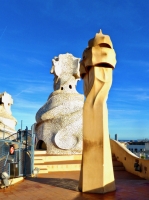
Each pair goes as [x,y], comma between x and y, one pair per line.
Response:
[128,186]
[64,183]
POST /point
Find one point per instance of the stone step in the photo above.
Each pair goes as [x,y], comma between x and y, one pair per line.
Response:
[38,161]
[44,168]
[69,165]
[119,168]
[58,167]
[37,152]
[117,164]
[61,162]
[43,171]
[114,157]
[49,158]
[64,167]
[40,166]
[50,163]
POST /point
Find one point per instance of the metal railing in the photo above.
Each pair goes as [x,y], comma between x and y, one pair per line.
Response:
[22,161]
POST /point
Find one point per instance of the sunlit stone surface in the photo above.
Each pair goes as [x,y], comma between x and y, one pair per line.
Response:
[97,64]
[7,121]
[59,120]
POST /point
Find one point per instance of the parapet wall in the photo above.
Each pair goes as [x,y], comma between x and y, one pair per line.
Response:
[128,159]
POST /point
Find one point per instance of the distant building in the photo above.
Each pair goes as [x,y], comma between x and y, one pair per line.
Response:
[136,146]
[147,146]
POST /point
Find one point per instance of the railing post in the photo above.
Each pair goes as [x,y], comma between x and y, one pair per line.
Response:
[20,160]
[32,147]
[25,160]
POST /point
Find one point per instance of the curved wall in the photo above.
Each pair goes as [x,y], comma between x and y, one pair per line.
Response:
[128,159]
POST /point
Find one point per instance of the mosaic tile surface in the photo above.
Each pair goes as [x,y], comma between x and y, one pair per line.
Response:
[59,120]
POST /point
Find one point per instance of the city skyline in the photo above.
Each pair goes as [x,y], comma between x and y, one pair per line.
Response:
[33,32]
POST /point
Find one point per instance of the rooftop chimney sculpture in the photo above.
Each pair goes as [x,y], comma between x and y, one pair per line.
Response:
[7,121]
[96,68]
[59,120]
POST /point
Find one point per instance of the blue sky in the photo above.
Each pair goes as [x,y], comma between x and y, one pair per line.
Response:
[32,32]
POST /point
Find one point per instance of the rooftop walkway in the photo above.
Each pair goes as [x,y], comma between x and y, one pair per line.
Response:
[63,186]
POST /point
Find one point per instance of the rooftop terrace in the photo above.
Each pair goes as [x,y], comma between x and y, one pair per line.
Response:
[63,186]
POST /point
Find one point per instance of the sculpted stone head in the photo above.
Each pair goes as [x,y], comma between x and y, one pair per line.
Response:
[99,53]
[65,68]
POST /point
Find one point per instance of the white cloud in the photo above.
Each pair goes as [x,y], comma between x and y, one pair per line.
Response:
[35,61]
[122,111]
[134,89]
[142,97]
[35,89]
[136,62]
[26,104]
[3,32]
[131,94]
